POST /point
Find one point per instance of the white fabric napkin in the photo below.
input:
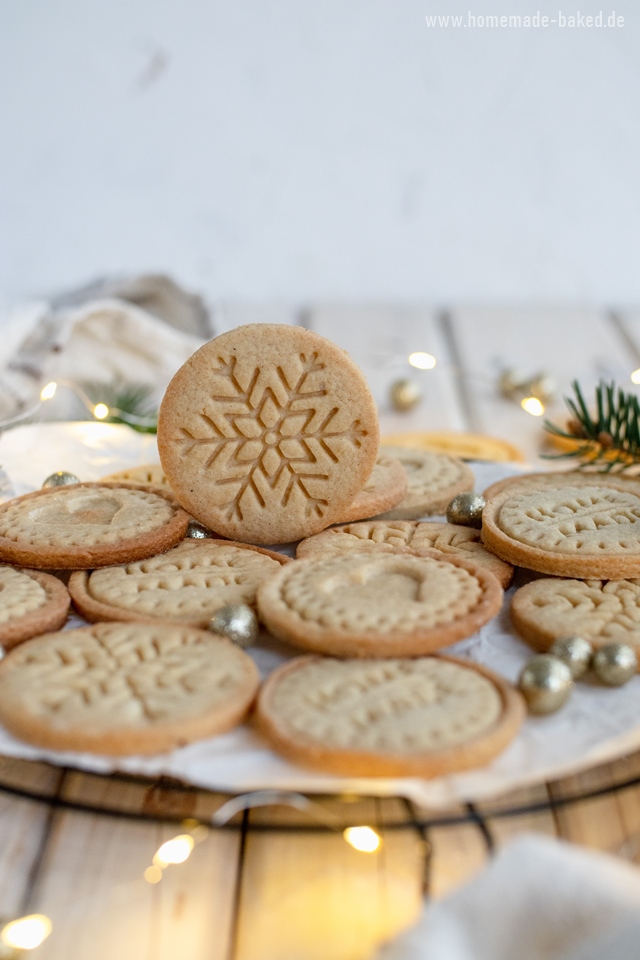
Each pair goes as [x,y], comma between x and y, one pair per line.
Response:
[539,899]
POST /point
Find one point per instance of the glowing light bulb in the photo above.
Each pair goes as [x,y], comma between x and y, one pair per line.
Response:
[533,406]
[153,874]
[26,933]
[100,411]
[363,839]
[423,361]
[174,851]
[635,376]
[49,391]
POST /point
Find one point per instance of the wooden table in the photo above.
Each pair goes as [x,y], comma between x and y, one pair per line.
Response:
[282,884]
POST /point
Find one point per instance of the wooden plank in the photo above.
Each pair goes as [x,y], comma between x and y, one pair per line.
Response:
[567,343]
[380,339]
[93,889]
[458,853]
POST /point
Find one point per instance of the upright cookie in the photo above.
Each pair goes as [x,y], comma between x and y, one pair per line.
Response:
[423,717]
[123,688]
[433,480]
[268,433]
[583,532]
[185,585]
[31,602]
[384,489]
[89,525]
[378,604]
[410,535]
[601,611]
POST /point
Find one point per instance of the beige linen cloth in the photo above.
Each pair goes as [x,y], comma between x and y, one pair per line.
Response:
[135,331]
[539,899]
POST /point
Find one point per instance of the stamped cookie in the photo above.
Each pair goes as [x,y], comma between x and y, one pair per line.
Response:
[124,688]
[573,478]
[185,585]
[378,604]
[581,531]
[384,489]
[422,717]
[434,480]
[89,525]
[31,602]
[268,433]
[148,473]
[410,535]
[601,611]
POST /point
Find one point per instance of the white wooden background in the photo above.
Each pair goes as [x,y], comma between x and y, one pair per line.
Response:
[247,894]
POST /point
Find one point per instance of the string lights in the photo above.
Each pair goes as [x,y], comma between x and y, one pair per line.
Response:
[100,411]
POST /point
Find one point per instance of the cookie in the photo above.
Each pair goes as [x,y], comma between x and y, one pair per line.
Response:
[185,585]
[581,531]
[409,535]
[89,525]
[416,718]
[573,478]
[384,489]
[600,611]
[148,473]
[434,480]
[467,446]
[31,602]
[378,604]
[268,433]
[124,688]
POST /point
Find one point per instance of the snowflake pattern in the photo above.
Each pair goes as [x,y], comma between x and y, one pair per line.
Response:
[271,439]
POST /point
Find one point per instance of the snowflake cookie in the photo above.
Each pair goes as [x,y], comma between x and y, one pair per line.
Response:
[267,433]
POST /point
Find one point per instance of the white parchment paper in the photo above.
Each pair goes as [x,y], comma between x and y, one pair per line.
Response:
[598,723]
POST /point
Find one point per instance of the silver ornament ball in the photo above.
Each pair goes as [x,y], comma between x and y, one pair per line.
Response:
[545,683]
[576,652]
[60,479]
[615,663]
[405,394]
[466,510]
[197,531]
[238,622]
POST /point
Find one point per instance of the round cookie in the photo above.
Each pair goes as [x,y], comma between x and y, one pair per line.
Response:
[268,433]
[467,446]
[581,531]
[601,611]
[89,525]
[433,480]
[573,478]
[148,473]
[409,535]
[185,585]
[378,604]
[423,717]
[31,602]
[385,488]
[124,688]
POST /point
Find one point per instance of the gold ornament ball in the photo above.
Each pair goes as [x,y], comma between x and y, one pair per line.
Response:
[576,652]
[60,479]
[405,394]
[197,531]
[238,622]
[466,510]
[615,663]
[545,683]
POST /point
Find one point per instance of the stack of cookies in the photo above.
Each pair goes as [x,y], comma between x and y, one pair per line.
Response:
[267,435]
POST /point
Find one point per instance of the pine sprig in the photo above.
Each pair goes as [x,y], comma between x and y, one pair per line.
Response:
[608,438]
[132,399]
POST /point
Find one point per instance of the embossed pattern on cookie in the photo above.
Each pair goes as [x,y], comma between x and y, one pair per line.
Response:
[31,602]
[579,532]
[419,717]
[118,688]
[378,604]
[601,611]
[433,480]
[267,433]
[410,535]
